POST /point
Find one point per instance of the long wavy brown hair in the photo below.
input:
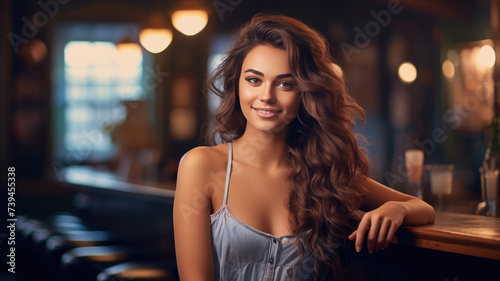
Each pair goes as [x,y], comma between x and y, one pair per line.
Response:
[327,165]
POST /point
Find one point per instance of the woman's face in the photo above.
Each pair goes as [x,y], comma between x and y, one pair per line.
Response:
[268,96]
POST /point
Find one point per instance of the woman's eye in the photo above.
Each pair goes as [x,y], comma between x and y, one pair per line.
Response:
[285,85]
[253,80]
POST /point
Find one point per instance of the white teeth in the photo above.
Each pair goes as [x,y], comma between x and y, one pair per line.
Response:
[264,111]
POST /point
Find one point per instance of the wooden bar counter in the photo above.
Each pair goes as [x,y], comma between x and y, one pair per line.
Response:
[456,247]
[456,233]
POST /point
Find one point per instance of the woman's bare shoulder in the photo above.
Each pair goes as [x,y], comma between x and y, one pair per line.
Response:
[198,167]
[204,157]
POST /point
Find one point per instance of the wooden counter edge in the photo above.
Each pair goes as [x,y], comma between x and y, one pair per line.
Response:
[428,237]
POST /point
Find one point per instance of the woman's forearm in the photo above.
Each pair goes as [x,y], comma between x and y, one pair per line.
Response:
[418,212]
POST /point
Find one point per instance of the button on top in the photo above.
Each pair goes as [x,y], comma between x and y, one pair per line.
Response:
[271,261]
[274,240]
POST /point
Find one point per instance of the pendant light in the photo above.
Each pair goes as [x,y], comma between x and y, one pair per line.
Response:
[190,17]
[156,35]
[128,53]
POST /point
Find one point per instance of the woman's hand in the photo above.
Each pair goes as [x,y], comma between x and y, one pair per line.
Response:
[387,209]
[379,226]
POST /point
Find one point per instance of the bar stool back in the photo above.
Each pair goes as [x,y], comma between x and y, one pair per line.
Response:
[85,263]
[140,271]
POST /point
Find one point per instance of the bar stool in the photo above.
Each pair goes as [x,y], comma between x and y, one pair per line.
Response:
[41,235]
[140,271]
[57,245]
[26,226]
[25,231]
[66,218]
[32,234]
[27,260]
[85,263]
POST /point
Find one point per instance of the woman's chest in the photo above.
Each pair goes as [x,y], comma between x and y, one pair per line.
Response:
[261,202]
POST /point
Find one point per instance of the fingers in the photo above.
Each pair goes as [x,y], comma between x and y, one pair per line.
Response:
[387,235]
[382,235]
[390,235]
[363,227]
[352,237]
[378,231]
[372,235]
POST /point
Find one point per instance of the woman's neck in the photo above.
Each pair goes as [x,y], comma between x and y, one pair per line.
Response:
[261,150]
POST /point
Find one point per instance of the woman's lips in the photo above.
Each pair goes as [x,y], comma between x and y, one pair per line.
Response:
[266,112]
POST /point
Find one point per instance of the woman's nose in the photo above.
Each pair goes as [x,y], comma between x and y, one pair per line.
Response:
[267,94]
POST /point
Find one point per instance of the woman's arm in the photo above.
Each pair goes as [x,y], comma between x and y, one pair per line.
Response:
[192,209]
[387,210]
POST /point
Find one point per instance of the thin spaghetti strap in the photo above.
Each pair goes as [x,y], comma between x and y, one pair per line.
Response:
[228,172]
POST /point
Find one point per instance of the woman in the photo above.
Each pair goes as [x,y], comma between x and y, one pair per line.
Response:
[279,198]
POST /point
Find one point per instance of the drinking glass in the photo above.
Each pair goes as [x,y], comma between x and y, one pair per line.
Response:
[489,190]
[441,179]
[414,164]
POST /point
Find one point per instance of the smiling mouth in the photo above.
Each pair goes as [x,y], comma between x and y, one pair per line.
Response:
[266,113]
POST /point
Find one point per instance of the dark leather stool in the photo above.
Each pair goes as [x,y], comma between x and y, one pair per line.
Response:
[27,261]
[31,236]
[26,227]
[62,218]
[57,245]
[20,223]
[41,235]
[140,271]
[85,263]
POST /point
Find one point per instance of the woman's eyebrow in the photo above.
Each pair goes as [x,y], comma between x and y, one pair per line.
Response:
[284,75]
[262,74]
[254,72]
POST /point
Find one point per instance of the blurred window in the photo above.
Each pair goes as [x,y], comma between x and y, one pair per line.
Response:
[219,46]
[96,83]
[92,78]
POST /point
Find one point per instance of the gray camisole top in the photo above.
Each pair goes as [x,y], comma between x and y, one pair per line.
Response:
[242,252]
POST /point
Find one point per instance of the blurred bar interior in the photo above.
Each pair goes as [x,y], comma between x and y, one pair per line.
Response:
[110,93]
